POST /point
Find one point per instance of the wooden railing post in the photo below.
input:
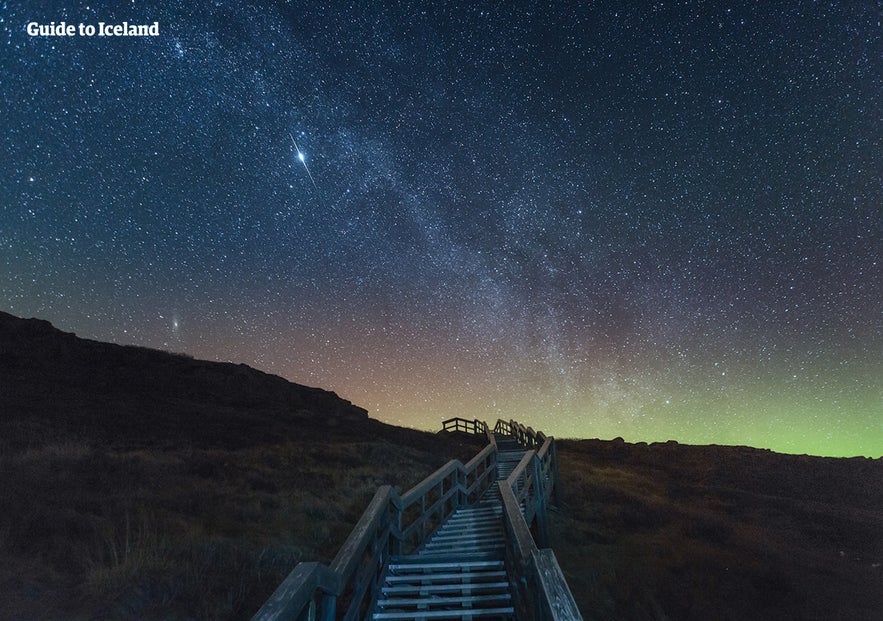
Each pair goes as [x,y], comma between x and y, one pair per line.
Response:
[397,544]
[555,496]
[542,514]
[328,608]
[540,590]
[311,590]
[463,485]
[422,522]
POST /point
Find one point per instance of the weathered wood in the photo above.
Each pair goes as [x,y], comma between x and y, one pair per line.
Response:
[482,481]
[311,589]
[427,484]
[350,554]
[474,426]
[545,448]
[366,578]
[296,593]
[521,470]
[503,427]
[539,504]
[482,455]
[519,531]
[554,600]
[489,433]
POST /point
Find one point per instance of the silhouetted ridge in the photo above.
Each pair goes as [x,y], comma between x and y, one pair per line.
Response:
[55,385]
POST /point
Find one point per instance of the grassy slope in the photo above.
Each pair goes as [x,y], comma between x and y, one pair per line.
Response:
[140,484]
[668,531]
[185,533]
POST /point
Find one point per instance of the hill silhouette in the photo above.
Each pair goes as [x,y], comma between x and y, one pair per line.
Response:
[56,385]
[142,484]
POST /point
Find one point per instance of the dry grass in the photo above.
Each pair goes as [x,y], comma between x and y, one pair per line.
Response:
[680,532]
[189,534]
[140,484]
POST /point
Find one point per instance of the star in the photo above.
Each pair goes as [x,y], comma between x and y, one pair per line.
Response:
[566,220]
[303,160]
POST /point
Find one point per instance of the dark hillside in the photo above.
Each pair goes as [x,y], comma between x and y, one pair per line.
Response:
[137,484]
[55,385]
[141,484]
[670,531]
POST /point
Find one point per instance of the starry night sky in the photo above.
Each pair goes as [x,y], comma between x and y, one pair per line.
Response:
[649,220]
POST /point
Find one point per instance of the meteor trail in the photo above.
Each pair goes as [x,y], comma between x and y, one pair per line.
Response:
[303,160]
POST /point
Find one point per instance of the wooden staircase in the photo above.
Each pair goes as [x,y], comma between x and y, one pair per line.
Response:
[458,545]
[459,572]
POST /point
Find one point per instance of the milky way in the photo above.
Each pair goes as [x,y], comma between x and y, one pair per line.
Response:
[648,220]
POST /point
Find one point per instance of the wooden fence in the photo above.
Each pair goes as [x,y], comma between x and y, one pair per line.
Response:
[539,587]
[396,524]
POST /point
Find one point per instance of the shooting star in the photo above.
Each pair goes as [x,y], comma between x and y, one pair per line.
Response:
[303,160]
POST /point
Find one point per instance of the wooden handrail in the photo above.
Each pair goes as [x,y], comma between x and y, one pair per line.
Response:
[475,426]
[352,549]
[553,597]
[311,590]
[483,454]
[541,591]
[295,595]
[516,525]
[429,482]
[503,426]
[392,521]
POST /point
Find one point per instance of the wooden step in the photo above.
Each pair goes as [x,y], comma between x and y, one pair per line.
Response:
[493,551]
[467,518]
[462,535]
[443,588]
[447,577]
[481,515]
[399,566]
[448,614]
[478,512]
[474,531]
[472,555]
[466,521]
[459,572]
[445,601]
[483,546]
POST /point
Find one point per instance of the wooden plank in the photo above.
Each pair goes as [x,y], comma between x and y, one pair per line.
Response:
[516,526]
[546,447]
[350,554]
[481,456]
[462,577]
[490,436]
[539,502]
[529,482]
[556,600]
[427,484]
[399,566]
[445,588]
[520,469]
[430,602]
[294,596]
[444,614]
[519,481]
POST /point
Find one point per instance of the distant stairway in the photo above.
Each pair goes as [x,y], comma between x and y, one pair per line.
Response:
[508,456]
[459,572]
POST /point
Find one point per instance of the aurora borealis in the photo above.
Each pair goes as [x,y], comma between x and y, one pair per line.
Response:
[650,220]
